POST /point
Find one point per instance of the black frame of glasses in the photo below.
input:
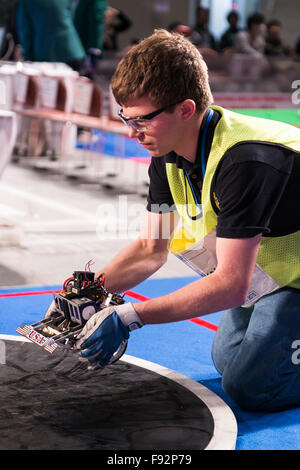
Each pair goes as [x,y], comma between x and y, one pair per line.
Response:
[145,117]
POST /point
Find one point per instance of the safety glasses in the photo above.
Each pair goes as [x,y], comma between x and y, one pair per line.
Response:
[141,123]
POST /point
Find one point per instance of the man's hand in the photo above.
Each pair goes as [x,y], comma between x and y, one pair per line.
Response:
[105,331]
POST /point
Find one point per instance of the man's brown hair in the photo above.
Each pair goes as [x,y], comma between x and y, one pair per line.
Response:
[167,68]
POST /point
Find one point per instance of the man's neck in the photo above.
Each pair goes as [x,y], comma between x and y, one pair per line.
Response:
[187,147]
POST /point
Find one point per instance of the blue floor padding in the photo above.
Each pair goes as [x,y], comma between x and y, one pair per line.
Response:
[113,145]
[184,347]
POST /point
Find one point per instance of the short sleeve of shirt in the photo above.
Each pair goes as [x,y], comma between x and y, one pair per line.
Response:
[248,187]
[159,198]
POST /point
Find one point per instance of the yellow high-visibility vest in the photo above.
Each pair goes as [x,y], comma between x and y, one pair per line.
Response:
[279,257]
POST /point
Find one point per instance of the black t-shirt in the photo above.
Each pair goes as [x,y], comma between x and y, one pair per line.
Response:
[255,189]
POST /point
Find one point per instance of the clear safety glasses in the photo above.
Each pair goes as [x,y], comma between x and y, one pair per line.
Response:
[142,123]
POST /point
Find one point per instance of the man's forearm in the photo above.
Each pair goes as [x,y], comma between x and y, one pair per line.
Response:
[135,263]
[225,288]
[208,295]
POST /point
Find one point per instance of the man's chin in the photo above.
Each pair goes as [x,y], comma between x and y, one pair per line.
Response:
[155,153]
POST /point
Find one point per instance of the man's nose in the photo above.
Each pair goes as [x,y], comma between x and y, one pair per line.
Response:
[133,133]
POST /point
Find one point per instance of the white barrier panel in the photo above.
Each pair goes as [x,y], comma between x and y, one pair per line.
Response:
[8,131]
[7,73]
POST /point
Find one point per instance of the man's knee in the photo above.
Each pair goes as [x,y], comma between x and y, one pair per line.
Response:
[244,394]
[249,396]
[218,358]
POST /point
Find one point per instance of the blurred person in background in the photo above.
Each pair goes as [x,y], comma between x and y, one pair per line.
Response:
[47,33]
[228,37]
[274,43]
[251,41]
[9,49]
[206,38]
[89,16]
[116,22]
[186,31]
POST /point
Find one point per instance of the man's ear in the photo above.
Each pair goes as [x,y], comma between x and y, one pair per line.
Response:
[187,109]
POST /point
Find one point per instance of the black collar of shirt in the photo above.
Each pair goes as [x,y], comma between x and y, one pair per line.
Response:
[194,169]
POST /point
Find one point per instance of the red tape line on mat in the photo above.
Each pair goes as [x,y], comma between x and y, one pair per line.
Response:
[23,294]
[198,321]
[129,293]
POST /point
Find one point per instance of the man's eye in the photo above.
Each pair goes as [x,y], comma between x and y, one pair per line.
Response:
[140,122]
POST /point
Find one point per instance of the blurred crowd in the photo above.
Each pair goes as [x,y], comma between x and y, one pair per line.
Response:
[83,32]
[250,58]
[259,38]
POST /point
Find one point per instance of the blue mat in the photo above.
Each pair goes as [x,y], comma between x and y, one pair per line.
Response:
[184,347]
[114,145]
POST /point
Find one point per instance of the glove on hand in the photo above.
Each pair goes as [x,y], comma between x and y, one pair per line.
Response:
[104,332]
